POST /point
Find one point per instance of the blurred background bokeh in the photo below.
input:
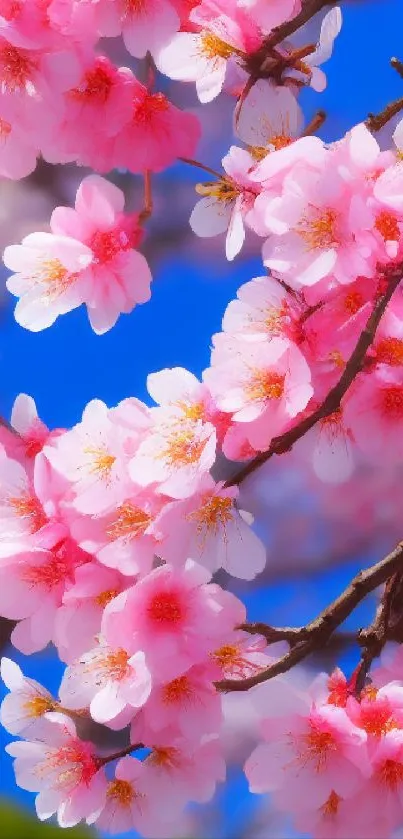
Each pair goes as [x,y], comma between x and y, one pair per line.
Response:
[317,535]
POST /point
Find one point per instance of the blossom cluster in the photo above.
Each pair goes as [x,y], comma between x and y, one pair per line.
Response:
[332,759]
[111,531]
[98,524]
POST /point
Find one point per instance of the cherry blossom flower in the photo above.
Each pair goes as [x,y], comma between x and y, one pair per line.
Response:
[169,616]
[209,528]
[227,202]
[107,680]
[269,119]
[175,455]
[47,269]
[92,456]
[266,387]
[23,709]
[63,770]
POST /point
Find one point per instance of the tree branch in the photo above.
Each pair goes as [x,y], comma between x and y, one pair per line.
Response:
[377,121]
[102,761]
[316,634]
[309,9]
[331,404]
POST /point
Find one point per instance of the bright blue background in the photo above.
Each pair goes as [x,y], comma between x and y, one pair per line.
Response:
[67,365]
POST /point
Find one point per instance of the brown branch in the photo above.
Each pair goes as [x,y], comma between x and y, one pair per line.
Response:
[331,404]
[317,633]
[292,634]
[377,121]
[386,626]
[148,198]
[309,9]
[102,761]
[397,65]
[199,165]
[315,124]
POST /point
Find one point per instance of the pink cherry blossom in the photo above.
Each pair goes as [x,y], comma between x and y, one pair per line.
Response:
[127,537]
[78,618]
[32,587]
[63,770]
[266,387]
[169,616]
[107,680]
[226,203]
[184,770]
[175,455]
[269,15]
[22,710]
[269,119]
[130,802]
[373,411]
[156,134]
[118,276]
[47,275]
[189,702]
[209,528]
[93,456]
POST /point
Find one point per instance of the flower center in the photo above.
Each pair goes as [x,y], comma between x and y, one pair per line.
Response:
[319,231]
[97,85]
[130,522]
[100,463]
[213,47]
[390,351]
[116,664]
[166,609]
[10,9]
[330,808]
[376,719]
[166,756]
[75,763]
[182,448]
[28,507]
[179,690]
[105,245]
[57,570]
[134,7]
[192,410]
[54,276]
[352,302]
[386,224]
[105,597]
[315,746]
[16,68]
[146,107]
[122,792]
[392,402]
[213,514]
[223,190]
[265,385]
[39,705]
[233,662]
[390,774]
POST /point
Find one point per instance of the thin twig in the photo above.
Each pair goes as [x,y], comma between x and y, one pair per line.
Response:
[199,165]
[316,634]
[331,404]
[148,198]
[315,124]
[397,65]
[102,761]
[375,122]
[309,9]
